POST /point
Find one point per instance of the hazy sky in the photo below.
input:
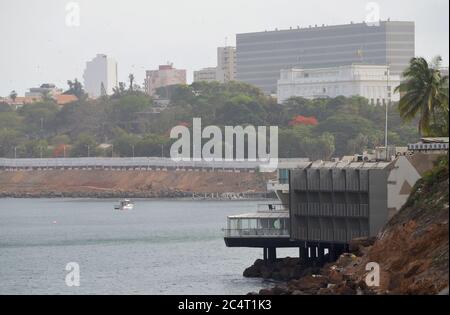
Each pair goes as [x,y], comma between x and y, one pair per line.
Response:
[37,46]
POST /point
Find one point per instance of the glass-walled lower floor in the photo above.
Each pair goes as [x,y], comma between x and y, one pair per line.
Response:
[258,227]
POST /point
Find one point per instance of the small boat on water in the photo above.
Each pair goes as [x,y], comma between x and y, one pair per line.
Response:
[125,204]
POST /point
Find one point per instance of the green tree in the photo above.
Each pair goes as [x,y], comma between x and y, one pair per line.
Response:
[424,93]
[13,95]
[85,145]
[76,88]
[125,143]
[9,139]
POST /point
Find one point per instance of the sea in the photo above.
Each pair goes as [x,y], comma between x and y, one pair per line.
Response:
[84,246]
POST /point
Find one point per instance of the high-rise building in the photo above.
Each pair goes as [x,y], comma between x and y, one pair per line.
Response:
[206,74]
[100,76]
[375,83]
[261,56]
[165,75]
[226,64]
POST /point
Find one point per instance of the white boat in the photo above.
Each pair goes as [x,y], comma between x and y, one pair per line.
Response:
[125,204]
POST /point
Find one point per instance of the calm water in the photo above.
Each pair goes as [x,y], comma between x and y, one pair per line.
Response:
[160,247]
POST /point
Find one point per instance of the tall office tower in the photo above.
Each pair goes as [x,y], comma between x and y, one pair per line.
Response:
[100,76]
[261,55]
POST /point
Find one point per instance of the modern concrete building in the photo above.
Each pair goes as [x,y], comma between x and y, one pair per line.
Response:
[100,76]
[335,202]
[370,81]
[330,203]
[226,64]
[261,55]
[166,75]
[206,74]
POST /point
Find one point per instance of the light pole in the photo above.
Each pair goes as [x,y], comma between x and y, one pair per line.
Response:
[15,152]
[112,150]
[88,153]
[162,150]
[40,151]
[64,149]
[132,149]
[386,117]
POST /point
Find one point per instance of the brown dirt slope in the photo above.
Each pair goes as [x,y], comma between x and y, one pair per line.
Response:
[413,248]
[35,182]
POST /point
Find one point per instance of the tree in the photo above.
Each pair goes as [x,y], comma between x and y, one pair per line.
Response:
[131,78]
[424,93]
[124,143]
[85,145]
[13,95]
[76,88]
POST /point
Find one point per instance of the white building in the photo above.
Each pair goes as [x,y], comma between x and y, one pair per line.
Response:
[370,81]
[100,76]
[226,64]
[206,74]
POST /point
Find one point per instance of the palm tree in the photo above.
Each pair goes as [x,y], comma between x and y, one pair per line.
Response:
[131,78]
[424,92]
[13,95]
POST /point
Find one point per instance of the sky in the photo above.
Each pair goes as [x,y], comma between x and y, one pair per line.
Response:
[42,41]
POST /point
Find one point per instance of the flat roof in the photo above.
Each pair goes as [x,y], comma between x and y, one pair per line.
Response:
[261,215]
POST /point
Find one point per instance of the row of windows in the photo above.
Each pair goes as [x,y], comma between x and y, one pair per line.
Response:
[329,42]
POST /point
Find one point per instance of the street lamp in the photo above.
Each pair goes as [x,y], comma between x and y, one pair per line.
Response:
[15,152]
[88,153]
[132,148]
[162,150]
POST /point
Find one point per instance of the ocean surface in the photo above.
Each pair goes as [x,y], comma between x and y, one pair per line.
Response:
[160,247]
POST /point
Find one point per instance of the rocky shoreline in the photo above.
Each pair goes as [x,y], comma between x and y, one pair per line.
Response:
[307,279]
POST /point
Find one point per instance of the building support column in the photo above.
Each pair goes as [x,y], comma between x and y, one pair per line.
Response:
[265,254]
[302,254]
[320,255]
[272,254]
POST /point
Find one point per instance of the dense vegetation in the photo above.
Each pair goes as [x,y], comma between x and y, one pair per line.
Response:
[320,128]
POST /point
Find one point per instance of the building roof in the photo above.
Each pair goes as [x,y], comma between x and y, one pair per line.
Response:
[262,215]
[349,164]
[63,99]
[434,140]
